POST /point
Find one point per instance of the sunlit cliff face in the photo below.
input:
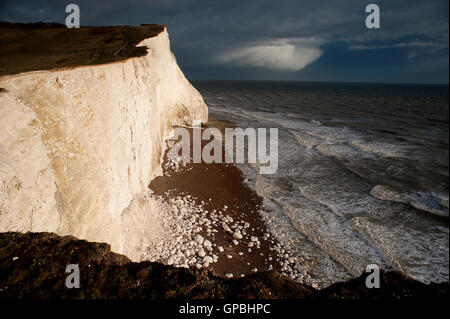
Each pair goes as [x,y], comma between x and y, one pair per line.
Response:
[77,145]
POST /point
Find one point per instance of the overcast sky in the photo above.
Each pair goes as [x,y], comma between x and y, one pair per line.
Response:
[317,40]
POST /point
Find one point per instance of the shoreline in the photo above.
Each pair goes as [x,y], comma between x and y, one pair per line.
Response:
[228,217]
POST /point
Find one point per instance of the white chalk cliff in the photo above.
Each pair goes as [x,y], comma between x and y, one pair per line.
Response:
[78,145]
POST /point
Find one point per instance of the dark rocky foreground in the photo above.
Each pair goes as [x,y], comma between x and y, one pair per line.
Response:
[39,272]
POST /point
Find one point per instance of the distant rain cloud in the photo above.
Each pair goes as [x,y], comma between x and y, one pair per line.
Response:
[286,57]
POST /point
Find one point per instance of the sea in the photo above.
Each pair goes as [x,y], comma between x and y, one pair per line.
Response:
[363,172]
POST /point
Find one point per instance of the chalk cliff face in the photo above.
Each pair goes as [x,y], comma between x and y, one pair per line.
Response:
[77,145]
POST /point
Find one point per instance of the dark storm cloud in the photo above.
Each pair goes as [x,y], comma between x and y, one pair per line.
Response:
[298,40]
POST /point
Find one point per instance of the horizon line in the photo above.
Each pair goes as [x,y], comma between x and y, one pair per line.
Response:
[318,81]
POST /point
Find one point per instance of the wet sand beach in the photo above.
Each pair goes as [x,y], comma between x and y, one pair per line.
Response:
[221,185]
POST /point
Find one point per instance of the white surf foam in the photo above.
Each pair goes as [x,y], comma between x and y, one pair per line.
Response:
[436,204]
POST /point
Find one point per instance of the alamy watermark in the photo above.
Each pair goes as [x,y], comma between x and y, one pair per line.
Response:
[261,149]
[73,19]
[373,279]
[73,280]
[373,19]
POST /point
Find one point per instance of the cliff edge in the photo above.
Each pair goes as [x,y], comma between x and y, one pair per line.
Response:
[81,140]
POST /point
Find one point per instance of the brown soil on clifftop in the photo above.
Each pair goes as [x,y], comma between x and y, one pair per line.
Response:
[41,46]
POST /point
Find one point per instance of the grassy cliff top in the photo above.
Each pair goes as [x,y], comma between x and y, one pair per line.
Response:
[43,46]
